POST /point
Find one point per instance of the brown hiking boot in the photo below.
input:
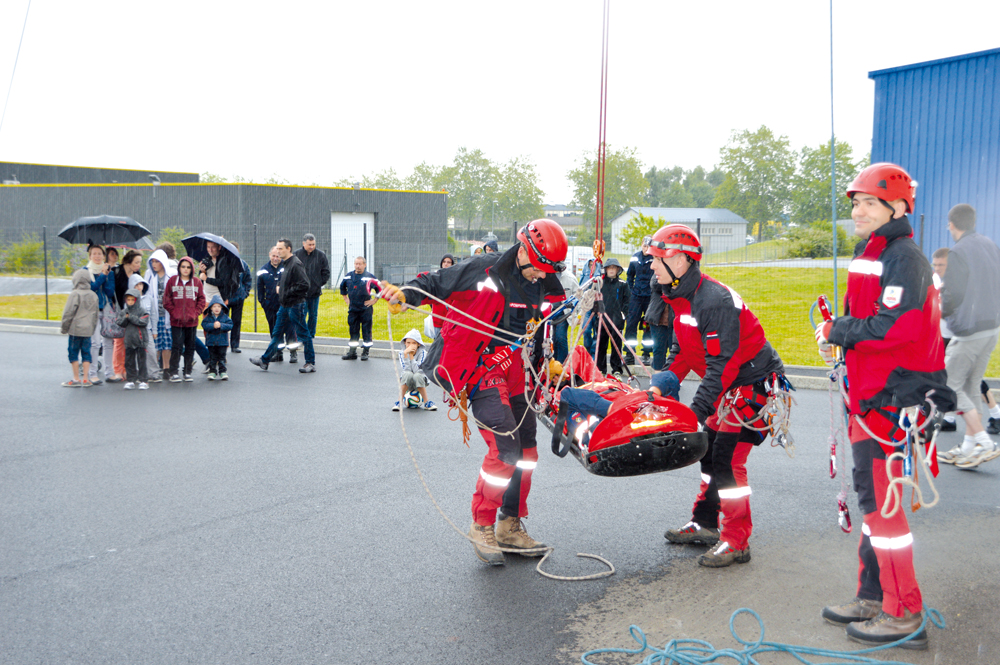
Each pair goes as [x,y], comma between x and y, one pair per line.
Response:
[859,609]
[694,534]
[724,555]
[886,628]
[511,534]
[484,542]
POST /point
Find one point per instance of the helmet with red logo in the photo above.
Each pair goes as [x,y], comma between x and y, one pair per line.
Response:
[675,238]
[546,244]
[885,181]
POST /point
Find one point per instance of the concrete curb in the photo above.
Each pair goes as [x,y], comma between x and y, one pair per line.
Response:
[329,346]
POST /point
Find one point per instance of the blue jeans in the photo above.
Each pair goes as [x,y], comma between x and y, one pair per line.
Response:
[312,310]
[560,341]
[291,317]
[79,347]
[201,350]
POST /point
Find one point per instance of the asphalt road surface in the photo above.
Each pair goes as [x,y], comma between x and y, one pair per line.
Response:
[278,518]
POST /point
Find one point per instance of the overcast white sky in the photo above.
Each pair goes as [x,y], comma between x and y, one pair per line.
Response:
[317,91]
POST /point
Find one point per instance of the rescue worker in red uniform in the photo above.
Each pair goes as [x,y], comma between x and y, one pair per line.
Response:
[507,291]
[720,339]
[894,354]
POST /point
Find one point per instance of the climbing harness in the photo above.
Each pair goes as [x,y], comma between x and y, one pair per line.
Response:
[764,407]
[698,652]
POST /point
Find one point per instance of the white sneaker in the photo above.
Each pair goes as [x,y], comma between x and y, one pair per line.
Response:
[949,456]
[143,386]
[973,459]
[129,386]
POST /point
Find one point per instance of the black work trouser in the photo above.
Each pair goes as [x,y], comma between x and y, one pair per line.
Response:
[359,322]
[236,314]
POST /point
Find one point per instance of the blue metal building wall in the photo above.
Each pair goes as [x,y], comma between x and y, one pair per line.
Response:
[940,120]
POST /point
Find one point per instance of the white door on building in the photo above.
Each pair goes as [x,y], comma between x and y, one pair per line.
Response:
[351,235]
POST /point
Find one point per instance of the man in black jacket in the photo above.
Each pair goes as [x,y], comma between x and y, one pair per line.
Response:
[267,295]
[639,276]
[318,268]
[293,285]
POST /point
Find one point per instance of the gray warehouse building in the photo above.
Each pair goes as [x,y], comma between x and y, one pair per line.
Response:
[400,233]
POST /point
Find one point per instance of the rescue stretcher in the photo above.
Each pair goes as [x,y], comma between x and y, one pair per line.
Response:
[640,433]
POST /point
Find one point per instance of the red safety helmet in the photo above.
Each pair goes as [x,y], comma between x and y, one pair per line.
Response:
[675,238]
[546,244]
[885,181]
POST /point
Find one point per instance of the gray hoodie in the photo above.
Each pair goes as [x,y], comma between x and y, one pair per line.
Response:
[408,364]
[79,317]
[134,320]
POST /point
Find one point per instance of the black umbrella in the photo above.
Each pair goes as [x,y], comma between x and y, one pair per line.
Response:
[103,230]
[196,249]
[143,244]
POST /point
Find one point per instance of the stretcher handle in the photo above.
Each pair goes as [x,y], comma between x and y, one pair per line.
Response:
[558,438]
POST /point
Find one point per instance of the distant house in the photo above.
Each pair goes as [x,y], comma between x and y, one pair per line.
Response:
[559,210]
[720,229]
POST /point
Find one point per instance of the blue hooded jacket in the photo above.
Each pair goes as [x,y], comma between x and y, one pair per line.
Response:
[216,336]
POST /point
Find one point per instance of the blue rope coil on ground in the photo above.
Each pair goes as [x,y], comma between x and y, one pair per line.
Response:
[698,652]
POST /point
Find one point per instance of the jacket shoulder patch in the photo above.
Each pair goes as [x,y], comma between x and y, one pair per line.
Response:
[892,296]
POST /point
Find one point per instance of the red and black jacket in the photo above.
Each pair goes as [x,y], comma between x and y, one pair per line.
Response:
[718,338]
[891,328]
[488,288]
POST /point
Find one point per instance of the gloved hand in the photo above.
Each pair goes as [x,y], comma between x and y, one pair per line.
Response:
[823,332]
[394,296]
[826,353]
[666,384]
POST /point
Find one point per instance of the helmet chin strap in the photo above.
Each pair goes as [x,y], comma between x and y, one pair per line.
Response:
[675,280]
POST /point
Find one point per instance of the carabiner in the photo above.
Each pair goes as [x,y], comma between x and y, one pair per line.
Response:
[844,516]
[833,460]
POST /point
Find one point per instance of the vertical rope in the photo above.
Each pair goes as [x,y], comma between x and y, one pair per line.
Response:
[602,142]
[9,87]
[833,172]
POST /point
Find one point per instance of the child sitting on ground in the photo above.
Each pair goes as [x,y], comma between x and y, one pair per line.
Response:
[217,325]
[134,320]
[79,320]
[411,377]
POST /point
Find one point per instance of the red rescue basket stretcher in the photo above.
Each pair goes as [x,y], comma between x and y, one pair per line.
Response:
[641,433]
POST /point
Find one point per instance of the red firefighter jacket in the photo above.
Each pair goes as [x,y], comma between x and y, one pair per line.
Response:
[486,289]
[718,338]
[891,328]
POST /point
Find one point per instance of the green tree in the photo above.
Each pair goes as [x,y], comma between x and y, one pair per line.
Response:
[518,196]
[639,227]
[759,170]
[211,178]
[173,235]
[660,182]
[811,190]
[624,184]
[472,187]
[386,179]
[428,178]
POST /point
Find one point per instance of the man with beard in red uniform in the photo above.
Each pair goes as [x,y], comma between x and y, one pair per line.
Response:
[895,359]
[507,291]
[720,339]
